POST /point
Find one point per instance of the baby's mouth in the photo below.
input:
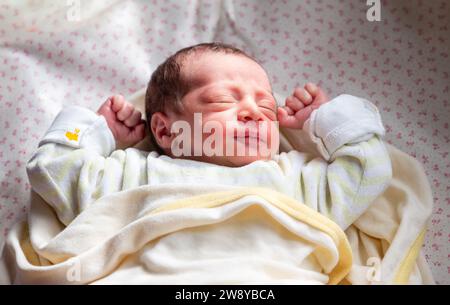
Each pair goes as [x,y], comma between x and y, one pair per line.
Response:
[251,139]
[249,134]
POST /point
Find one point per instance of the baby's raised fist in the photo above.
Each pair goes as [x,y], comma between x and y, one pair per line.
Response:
[300,105]
[124,121]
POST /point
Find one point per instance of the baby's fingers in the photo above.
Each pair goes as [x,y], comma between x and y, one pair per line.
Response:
[285,119]
[105,109]
[294,103]
[125,112]
[303,96]
[304,115]
[138,132]
[117,102]
[133,119]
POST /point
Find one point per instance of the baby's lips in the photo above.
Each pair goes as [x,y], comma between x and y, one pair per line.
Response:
[244,129]
[252,133]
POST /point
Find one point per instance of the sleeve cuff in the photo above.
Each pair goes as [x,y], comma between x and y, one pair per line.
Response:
[79,127]
[344,120]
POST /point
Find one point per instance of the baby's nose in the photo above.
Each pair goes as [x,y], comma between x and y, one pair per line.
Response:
[246,116]
[249,112]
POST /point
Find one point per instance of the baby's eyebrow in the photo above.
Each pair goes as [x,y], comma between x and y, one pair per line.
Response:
[236,90]
[212,91]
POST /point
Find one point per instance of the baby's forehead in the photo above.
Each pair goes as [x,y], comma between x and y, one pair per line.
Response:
[201,71]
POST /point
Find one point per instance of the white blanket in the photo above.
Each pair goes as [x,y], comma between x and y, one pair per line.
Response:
[209,235]
[227,236]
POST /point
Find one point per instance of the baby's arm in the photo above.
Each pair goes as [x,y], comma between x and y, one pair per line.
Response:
[76,162]
[355,166]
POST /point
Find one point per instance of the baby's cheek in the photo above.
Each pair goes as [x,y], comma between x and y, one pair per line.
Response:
[273,135]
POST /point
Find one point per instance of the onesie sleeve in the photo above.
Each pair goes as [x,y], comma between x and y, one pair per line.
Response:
[354,167]
[76,163]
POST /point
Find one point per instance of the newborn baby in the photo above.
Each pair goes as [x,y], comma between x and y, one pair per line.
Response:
[86,155]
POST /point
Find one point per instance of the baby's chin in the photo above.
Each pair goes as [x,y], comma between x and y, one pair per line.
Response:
[239,161]
[241,158]
[230,161]
[234,161]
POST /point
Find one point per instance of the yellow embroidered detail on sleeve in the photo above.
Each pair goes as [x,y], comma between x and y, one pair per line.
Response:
[73,136]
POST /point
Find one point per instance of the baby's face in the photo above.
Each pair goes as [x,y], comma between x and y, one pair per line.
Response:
[234,92]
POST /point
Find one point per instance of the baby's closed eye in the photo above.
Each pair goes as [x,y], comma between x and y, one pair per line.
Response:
[268,107]
[267,104]
[220,98]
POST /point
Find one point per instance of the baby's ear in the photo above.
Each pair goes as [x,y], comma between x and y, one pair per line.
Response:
[160,125]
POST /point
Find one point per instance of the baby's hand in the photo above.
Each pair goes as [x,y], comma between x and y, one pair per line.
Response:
[123,120]
[300,105]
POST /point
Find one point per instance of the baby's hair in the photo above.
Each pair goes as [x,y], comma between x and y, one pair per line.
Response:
[168,85]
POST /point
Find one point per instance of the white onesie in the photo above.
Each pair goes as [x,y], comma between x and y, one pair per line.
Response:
[76,163]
